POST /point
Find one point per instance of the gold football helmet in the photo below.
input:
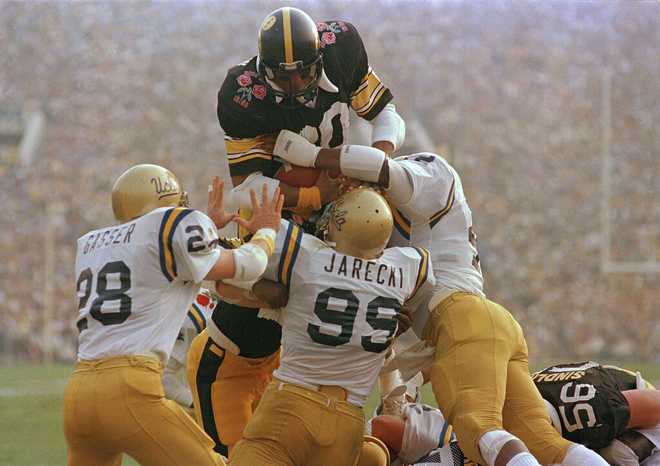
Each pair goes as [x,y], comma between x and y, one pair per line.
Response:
[360,223]
[143,188]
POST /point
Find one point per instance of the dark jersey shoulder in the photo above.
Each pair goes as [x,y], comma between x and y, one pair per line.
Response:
[254,336]
[245,107]
[591,408]
[625,379]
[344,57]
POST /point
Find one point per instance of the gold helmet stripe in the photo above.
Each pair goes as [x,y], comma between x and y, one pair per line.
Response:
[171,219]
[288,40]
[289,255]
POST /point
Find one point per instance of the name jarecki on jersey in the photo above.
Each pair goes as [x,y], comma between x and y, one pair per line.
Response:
[366,270]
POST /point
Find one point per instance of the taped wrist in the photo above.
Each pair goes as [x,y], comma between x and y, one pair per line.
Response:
[361,162]
[295,149]
[250,260]
[309,198]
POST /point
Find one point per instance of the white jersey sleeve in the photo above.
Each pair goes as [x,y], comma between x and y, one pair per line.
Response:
[437,217]
[192,245]
[425,429]
[428,174]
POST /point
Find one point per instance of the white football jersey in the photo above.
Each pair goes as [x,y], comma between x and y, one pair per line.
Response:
[340,316]
[175,379]
[438,218]
[199,311]
[136,280]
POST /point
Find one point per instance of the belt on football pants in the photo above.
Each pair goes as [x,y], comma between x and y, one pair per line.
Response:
[149,362]
[325,392]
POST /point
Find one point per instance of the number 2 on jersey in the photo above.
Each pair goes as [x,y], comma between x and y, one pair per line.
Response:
[105,294]
[346,319]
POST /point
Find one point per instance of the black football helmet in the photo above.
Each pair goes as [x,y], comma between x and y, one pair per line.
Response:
[289,56]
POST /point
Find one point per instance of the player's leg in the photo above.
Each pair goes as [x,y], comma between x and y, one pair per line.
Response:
[474,342]
[526,417]
[239,386]
[205,359]
[275,435]
[158,432]
[85,445]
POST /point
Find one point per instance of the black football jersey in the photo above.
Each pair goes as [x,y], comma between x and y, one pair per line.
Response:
[251,118]
[591,409]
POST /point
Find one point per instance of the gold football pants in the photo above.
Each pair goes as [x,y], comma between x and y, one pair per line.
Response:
[117,405]
[297,426]
[226,389]
[481,377]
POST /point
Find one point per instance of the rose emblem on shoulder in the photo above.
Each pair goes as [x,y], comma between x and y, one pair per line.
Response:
[244,80]
[328,38]
[259,91]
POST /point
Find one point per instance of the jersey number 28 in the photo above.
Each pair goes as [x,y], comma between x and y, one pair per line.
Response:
[105,294]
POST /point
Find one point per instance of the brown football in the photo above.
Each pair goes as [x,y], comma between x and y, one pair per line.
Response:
[298,177]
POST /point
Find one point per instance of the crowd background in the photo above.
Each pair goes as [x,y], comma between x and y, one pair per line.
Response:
[525,98]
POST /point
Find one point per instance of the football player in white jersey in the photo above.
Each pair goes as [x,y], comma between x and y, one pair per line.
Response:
[340,319]
[135,281]
[175,380]
[480,373]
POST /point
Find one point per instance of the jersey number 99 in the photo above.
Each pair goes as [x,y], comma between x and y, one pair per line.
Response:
[346,319]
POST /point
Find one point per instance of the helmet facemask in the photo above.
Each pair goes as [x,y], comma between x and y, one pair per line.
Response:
[277,76]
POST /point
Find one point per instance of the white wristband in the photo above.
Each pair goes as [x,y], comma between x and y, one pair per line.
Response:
[250,262]
[295,149]
[361,162]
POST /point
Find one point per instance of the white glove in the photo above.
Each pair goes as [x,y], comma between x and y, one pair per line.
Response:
[295,149]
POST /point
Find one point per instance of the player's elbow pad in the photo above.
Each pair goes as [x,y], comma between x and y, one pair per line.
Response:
[250,260]
[400,190]
[361,162]
[389,126]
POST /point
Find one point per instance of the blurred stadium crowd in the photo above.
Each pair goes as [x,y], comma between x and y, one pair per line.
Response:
[513,92]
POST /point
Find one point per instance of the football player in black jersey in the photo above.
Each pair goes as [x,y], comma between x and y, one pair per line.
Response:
[606,408]
[305,78]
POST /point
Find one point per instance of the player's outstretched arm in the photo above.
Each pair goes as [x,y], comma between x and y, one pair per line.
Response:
[355,161]
[265,293]
[248,262]
[644,408]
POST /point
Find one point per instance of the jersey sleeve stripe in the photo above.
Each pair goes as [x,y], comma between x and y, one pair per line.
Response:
[196,313]
[195,320]
[435,218]
[289,253]
[401,223]
[445,435]
[248,157]
[170,221]
[423,272]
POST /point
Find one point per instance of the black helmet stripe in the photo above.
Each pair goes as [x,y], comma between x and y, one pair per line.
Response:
[288,40]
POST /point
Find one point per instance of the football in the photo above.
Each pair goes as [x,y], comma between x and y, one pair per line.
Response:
[299,177]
